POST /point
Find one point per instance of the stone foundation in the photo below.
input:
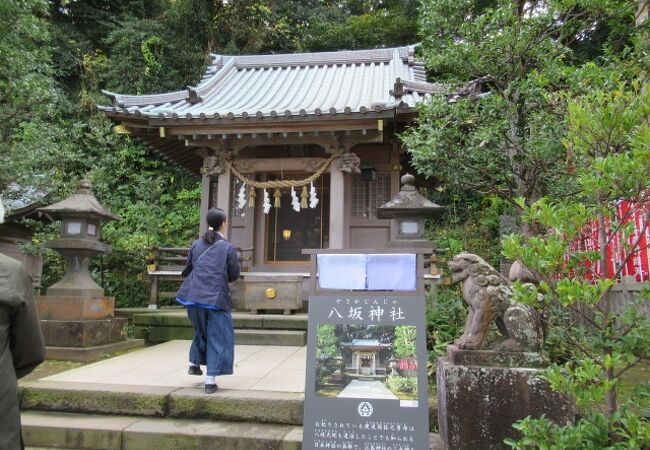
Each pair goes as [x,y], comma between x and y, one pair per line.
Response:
[477,405]
[57,307]
[83,333]
[90,354]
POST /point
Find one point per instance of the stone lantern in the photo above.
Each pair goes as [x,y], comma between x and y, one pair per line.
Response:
[76,317]
[409,210]
[81,215]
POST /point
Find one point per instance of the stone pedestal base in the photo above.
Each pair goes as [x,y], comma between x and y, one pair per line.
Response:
[90,354]
[83,333]
[477,405]
[60,307]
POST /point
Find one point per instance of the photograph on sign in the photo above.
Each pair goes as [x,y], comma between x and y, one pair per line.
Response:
[367,361]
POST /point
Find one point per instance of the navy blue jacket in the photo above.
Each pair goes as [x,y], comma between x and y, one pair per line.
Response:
[207,284]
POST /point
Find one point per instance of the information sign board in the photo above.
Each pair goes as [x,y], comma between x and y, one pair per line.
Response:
[366,383]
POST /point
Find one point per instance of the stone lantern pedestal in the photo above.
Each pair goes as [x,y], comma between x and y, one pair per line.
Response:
[77,319]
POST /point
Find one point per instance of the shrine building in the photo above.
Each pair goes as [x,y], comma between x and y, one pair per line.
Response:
[300,149]
[366,358]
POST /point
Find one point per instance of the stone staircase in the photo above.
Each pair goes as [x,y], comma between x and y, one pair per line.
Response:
[250,329]
[111,417]
[102,417]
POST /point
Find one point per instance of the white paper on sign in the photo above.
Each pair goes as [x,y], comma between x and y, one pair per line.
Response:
[341,271]
[395,272]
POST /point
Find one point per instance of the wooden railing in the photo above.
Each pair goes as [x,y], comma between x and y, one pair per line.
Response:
[167,263]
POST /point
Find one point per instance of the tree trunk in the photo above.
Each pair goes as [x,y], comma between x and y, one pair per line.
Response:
[610,396]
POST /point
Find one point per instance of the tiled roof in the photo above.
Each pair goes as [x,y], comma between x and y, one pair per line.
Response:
[82,202]
[300,84]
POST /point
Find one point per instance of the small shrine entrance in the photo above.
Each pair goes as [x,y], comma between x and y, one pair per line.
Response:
[287,231]
[366,357]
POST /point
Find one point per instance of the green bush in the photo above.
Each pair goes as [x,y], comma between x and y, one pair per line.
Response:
[445,323]
[594,431]
[407,385]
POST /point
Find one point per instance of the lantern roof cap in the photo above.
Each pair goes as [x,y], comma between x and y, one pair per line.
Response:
[408,203]
[82,203]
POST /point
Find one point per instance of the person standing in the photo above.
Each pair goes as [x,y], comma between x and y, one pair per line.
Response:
[212,264]
[21,345]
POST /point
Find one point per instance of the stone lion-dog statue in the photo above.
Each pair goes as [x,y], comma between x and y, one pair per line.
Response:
[489,296]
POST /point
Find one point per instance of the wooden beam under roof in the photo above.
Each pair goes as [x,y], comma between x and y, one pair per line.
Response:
[260,128]
[324,139]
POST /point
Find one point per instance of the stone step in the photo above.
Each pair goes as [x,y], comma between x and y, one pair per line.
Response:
[99,432]
[251,329]
[90,354]
[178,318]
[284,408]
[157,401]
[157,335]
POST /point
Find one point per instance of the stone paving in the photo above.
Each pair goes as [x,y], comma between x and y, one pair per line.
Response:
[257,368]
[366,389]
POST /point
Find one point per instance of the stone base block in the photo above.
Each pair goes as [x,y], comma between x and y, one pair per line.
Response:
[59,307]
[478,405]
[273,292]
[83,333]
[90,354]
[489,358]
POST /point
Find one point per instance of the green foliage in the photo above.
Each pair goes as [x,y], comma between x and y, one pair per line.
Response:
[327,348]
[406,385]
[360,24]
[144,58]
[327,343]
[404,343]
[595,431]
[445,323]
[505,140]
[609,140]
[27,97]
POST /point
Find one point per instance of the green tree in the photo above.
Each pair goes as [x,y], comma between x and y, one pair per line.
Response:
[609,136]
[404,343]
[27,96]
[508,57]
[327,343]
[353,24]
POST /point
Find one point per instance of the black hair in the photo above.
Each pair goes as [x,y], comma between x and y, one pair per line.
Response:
[215,218]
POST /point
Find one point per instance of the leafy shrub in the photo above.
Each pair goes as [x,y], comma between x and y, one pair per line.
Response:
[445,323]
[407,385]
[626,431]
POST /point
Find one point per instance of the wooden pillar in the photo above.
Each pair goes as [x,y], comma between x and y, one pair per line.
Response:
[223,187]
[223,193]
[205,201]
[395,176]
[337,207]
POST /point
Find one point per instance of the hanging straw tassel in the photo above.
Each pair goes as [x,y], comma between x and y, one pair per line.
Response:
[277,196]
[303,197]
[251,197]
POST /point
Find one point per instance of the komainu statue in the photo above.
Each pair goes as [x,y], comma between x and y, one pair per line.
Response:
[489,296]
